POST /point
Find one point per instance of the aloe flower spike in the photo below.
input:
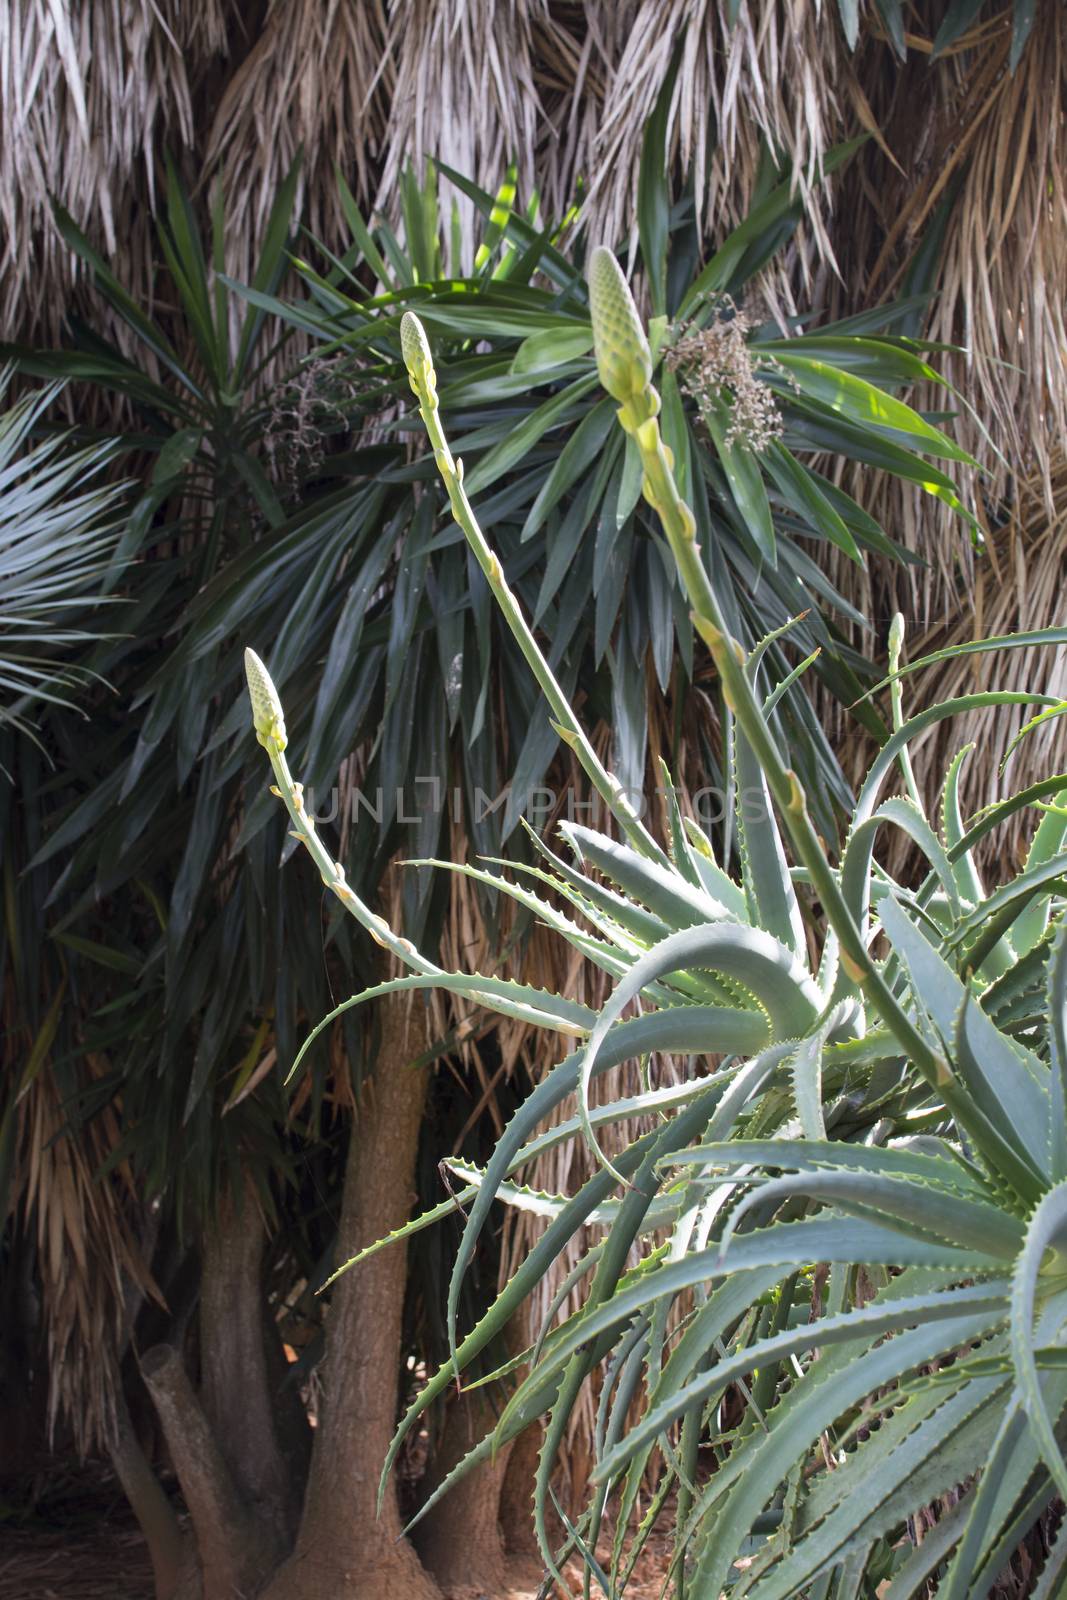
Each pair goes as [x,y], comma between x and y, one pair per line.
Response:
[268,719]
[419,363]
[619,341]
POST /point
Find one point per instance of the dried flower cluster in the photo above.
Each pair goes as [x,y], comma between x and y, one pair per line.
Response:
[304,412]
[717,368]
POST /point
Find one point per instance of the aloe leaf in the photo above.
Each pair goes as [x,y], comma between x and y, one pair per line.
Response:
[669,896]
[807,1082]
[911,1581]
[604,1291]
[877,1488]
[861,1325]
[997,1075]
[718,883]
[856,863]
[425,1219]
[1011,1460]
[938,1171]
[499,994]
[934,1213]
[830,1389]
[768,887]
[1055,1568]
[746,955]
[990,923]
[1056,1002]
[1048,841]
[1045,1232]
[964,868]
[682,1028]
[539,1203]
[971,647]
[530,1272]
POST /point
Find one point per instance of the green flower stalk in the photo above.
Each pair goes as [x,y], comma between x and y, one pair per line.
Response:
[620,350]
[419,362]
[513,1000]
[269,723]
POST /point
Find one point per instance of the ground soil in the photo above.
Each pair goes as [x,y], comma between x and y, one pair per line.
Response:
[80,1542]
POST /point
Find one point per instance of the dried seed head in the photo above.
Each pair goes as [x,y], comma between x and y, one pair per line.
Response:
[267,716]
[623,358]
[716,367]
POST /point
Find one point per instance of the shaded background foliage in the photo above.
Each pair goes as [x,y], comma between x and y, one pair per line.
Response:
[965,102]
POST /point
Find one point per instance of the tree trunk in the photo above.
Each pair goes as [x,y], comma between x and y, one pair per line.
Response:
[174,1564]
[516,1496]
[343,1550]
[236,1548]
[460,1539]
[236,1387]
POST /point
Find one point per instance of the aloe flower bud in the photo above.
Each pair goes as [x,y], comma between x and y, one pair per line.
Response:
[623,358]
[267,716]
[415,348]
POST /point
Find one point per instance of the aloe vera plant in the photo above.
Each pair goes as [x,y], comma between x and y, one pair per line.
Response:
[827,1283]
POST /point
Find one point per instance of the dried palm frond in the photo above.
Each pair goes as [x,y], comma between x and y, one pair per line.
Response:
[87,1251]
[967,132]
[464,92]
[89,95]
[1019,585]
[318,78]
[779,79]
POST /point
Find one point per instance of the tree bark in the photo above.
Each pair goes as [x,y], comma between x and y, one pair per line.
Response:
[236,1386]
[236,1549]
[460,1539]
[344,1551]
[516,1495]
[174,1565]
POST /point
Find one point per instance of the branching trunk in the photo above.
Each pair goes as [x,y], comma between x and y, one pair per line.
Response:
[460,1539]
[236,1548]
[344,1551]
[174,1565]
[236,1384]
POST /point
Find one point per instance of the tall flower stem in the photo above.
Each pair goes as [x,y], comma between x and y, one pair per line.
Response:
[419,363]
[626,371]
[269,722]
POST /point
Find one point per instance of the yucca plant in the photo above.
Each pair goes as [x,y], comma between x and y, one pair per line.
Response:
[753,412]
[829,1294]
